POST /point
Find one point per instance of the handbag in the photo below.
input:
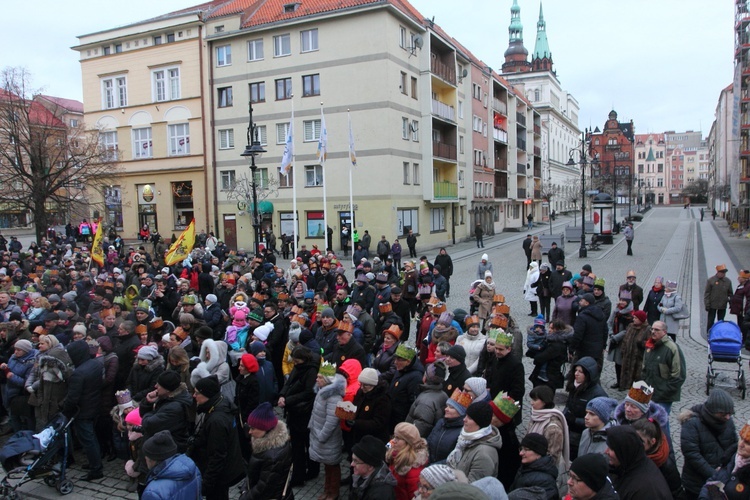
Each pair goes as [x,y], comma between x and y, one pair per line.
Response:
[683,313]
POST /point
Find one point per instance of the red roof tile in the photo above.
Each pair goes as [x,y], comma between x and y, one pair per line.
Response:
[68,104]
[38,114]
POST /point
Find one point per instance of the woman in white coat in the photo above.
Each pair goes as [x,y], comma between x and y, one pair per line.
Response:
[529,292]
[326,441]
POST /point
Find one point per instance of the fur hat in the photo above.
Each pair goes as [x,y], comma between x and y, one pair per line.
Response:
[160,446]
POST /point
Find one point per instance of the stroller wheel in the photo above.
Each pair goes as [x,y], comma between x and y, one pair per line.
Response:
[65,487]
[50,480]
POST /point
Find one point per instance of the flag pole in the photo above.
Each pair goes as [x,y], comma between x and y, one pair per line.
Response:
[294,192]
[353,161]
[322,147]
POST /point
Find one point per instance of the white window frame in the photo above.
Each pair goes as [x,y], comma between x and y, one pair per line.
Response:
[226,138]
[281,131]
[114,92]
[405,128]
[437,219]
[410,215]
[407,173]
[255,50]
[415,130]
[224,55]
[311,130]
[228,180]
[165,84]
[228,97]
[143,146]
[261,134]
[309,38]
[178,139]
[460,109]
[314,173]
[415,177]
[402,37]
[108,144]
[282,45]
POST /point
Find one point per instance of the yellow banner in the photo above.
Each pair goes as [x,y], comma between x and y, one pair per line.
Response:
[182,246]
[97,251]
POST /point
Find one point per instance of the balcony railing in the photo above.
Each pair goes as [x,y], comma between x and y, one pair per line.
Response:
[443,150]
[521,144]
[520,118]
[521,169]
[442,70]
[501,164]
[501,191]
[520,193]
[443,110]
[499,106]
[445,190]
[537,151]
[500,135]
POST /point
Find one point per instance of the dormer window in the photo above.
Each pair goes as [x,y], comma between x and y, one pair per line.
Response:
[290,7]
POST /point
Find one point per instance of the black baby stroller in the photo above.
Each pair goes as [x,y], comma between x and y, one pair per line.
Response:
[27,456]
[724,345]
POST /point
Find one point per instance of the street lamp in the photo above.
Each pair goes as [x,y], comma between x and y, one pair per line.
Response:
[582,152]
[252,150]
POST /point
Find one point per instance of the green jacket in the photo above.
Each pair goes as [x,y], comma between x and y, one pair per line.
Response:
[664,369]
[718,292]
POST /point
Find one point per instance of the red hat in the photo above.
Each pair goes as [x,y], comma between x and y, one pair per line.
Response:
[250,363]
[641,315]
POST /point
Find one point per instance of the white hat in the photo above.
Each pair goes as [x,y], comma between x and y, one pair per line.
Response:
[263,331]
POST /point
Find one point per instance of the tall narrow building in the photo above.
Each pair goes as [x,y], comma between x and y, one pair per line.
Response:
[516,57]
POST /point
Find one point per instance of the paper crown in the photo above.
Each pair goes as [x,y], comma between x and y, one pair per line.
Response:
[123,397]
[385,307]
[139,329]
[188,300]
[144,304]
[745,432]
[504,338]
[641,392]
[106,312]
[423,266]
[471,320]
[499,321]
[283,296]
[462,398]
[493,333]
[156,323]
[599,282]
[439,308]
[502,309]
[504,407]
[259,297]
[119,300]
[405,352]
[15,289]
[327,369]
[394,330]
[625,295]
[498,298]
[433,301]
[297,309]
[345,326]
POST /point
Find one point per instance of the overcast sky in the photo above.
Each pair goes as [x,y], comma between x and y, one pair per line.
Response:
[660,62]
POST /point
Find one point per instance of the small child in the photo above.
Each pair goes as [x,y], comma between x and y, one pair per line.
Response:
[536,341]
[135,468]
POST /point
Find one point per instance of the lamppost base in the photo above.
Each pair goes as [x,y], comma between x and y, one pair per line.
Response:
[583,252]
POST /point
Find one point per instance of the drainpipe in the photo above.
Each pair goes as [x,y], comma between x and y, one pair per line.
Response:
[203,131]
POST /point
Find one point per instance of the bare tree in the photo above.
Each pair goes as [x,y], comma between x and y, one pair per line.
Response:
[45,165]
[242,191]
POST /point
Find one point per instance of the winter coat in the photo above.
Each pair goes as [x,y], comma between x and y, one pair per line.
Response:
[617,325]
[299,396]
[594,442]
[407,477]
[718,292]
[655,412]
[404,389]
[473,345]
[541,472]
[427,409]
[383,362]
[216,450]
[124,346]
[269,464]
[669,305]
[267,386]
[247,397]
[532,275]
[480,457]
[176,478]
[446,264]
[457,375]
[20,368]
[637,477]
[564,310]
[482,295]
[507,375]
[735,483]
[739,304]
[632,347]
[665,369]
[142,379]
[554,355]
[49,379]
[636,294]
[578,398]
[380,485]
[171,413]
[605,304]
[84,384]
[326,441]
[373,413]
[536,250]
[350,350]
[483,267]
[552,425]
[589,333]
[651,306]
[703,441]
[213,358]
[443,437]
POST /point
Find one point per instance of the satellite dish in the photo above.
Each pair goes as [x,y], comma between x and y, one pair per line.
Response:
[418,42]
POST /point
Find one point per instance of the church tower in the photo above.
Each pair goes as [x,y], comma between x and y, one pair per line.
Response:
[516,57]
[542,58]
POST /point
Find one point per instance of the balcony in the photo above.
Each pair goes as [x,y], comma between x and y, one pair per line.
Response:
[501,191]
[537,130]
[442,70]
[500,135]
[443,150]
[521,169]
[537,194]
[501,164]
[521,144]
[445,190]
[499,106]
[538,171]
[521,193]
[443,110]
[537,151]
[521,119]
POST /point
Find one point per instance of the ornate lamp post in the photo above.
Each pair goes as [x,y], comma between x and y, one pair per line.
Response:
[582,153]
[252,150]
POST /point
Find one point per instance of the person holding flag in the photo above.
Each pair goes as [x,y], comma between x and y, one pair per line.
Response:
[97,250]
[181,247]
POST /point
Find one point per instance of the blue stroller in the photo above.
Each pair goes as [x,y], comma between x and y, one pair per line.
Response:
[724,345]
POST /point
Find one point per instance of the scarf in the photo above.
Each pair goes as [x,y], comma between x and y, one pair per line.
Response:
[465,439]
[739,462]
[660,453]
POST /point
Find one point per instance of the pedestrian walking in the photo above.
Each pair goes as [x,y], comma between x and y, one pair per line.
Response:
[629,234]
[446,269]
[527,249]
[479,234]
[411,242]
[702,213]
[716,295]
[530,220]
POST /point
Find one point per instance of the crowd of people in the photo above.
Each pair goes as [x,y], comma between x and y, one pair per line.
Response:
[231,371]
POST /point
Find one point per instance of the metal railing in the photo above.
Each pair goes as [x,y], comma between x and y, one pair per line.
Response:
[443,110]
[444,190]
[443,150]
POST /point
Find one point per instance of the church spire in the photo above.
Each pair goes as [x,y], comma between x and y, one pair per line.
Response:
[516,57]
[541,60]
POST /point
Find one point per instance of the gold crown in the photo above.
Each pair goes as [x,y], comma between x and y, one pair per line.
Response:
[385,307]
[327,369]
[499,321]
[641,392]
[462,398]
[745,432]
[471,320]
[498,298]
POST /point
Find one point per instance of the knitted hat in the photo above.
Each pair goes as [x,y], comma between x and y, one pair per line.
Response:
[481,413]
[134,417]
[409,433]
[457,352]
[295,329]
[536,443]
[169,380]
[478,386]
[436,373]
[327,313]
[505,339]
[586,267]
[370,450]
[368,376]
[257,347]
[589,297]
[591,469]
[640,395]
[160,446]
[504,407]
[208,386]
[539,320]
[256,315]
[405,352]
[745,432]
[641,315]
[718,402]
[327,369]
[23,345]
[602,407]
[263,331]
[147,352]
[438,474]
[394,330]
[204,333]
[263,417]
[249,362]
[459,401]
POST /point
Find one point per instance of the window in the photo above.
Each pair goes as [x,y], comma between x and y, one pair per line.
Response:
[282,45]
[309,40]
[73,122]
[286,181]
[225,97]
[283,89]
[226,138]
[403,83]
[166,84]
[402,37]
[461,178]
[461,144]
[114,92]
[142,146]
[407,218]
[261,178]
[118,48]
[255,50]
[262,136]
[227,180]
[313,175]
[311,130]
[182,200]
[157,40]
[476,91]
[407,172]
[476,123]
[224,55]
[106,50]
[179,139]
[315,228]
[281,130]
[414,87]
[310,85]
[405,128]
[258,92]
[437,219]
[415,130]
[108,145]
[170,37]
[416,174]
[660,167]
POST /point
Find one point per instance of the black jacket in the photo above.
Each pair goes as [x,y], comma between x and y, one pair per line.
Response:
[404,389]
[124,346]
[247,394]
[351,350]
[85,384]
[456,378]
[443,437]
[299,396]
[555,255]
[269,464]
[541,472]
[171,414]
[589,333]
[554,356]
[651,306]
[578,398]
[379,486]
[142,379]
[637,477]
[507,375]
[373,410]
[446,264]
[216,450]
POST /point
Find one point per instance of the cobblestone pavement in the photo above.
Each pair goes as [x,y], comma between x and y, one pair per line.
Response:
[670,242]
